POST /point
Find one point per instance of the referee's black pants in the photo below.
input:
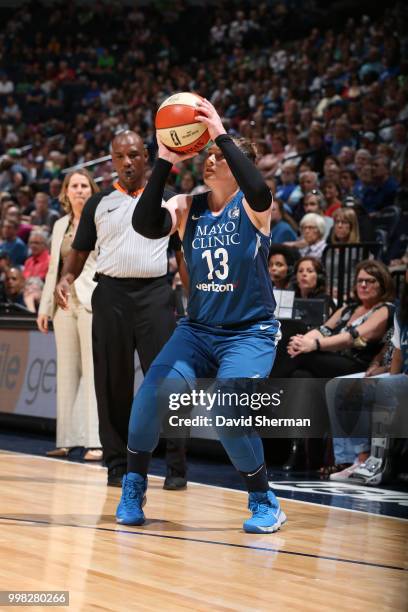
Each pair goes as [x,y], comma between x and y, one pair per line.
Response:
[128,315]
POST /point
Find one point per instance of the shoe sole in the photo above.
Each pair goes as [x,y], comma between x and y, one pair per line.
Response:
[172,488]
[131,523]
[372,481]
[272,529]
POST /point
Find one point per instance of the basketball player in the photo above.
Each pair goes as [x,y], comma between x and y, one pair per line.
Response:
[230,331]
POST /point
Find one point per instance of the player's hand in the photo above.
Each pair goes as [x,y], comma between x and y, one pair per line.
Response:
[61,293]
[42,323]
[172,156]
[207,114]
[301,344]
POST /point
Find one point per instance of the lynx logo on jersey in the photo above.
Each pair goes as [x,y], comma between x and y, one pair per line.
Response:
[233,213]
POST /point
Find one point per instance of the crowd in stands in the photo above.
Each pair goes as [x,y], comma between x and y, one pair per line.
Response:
[326,106]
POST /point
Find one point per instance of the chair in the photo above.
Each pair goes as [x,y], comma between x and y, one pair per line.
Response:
[398,276]
[381,237]
[399,245]
[387,219]
[340,261]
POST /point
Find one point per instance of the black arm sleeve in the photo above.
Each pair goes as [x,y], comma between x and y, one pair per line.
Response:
[175,243]
[85,237]
[150,219]
[248,177]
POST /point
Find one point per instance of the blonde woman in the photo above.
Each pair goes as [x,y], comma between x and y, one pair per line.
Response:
[77,417]
[345,229]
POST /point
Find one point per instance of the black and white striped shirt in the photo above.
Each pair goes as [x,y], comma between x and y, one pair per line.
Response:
[106,225]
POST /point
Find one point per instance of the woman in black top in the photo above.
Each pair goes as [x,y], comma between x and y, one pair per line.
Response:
[353,334]
[310,281]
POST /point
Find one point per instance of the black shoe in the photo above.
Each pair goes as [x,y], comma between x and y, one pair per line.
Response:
[174,482]
[115,475]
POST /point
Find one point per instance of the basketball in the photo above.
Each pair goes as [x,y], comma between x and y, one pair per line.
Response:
[177,126]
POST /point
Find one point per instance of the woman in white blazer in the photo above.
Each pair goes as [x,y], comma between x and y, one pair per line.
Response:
[77,416]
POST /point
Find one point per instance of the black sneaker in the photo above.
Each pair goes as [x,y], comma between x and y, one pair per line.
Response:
[174,482]
[115,475]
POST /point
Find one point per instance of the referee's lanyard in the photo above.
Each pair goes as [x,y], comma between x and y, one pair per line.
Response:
[133,194]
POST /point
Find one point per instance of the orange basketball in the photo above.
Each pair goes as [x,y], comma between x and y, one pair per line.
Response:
[177,126]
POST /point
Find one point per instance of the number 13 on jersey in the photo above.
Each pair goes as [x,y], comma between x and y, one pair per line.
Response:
[221,264]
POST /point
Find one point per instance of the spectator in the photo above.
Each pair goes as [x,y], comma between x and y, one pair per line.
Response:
[331,170]
[288,182]
[365,224]
[314,202]
[346,158]
[384,186]
[331,192]
[11,109]
[310,281]
[282,229]
[341,137]
[37,264]
[42,215]
[362,158]
[13,213]
[5,264]
[345,228]
[32,293]
[281,265]
[270,164]
[6,85]
[188,182]
[364,184]
[307,181]
[399,148]
[11,244]
[312,241]
[6,173]
[391,117]
[318,146]
[393,388]
[25,200]
[14,285]
[347,182]
[368,140]
[354,334]
[55,190]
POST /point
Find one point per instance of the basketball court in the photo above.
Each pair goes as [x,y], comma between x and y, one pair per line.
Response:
[58,532]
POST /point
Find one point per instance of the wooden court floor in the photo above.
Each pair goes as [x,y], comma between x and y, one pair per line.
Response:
[57,532]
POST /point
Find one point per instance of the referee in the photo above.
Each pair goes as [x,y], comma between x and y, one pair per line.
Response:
[131,304]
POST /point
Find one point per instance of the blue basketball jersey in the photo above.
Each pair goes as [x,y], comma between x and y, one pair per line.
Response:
[227,260]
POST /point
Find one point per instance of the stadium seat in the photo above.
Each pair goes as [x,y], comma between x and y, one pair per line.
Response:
[382,239]
[387,219]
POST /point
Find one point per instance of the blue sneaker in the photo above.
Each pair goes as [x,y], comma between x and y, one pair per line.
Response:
[267,515]
[129,510]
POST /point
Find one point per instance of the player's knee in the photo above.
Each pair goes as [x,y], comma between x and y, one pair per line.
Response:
[154,395]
